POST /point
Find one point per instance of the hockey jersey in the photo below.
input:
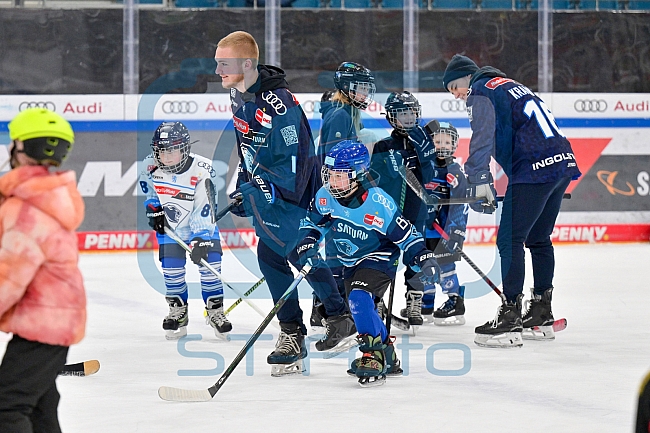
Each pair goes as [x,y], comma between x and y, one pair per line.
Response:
[448,181]
[183,197]
[512,124]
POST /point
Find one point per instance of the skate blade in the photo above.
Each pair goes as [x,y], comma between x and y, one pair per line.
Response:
[414,329]
[175,334]
[371,381]
[317,335]
[343,346]
[449,321]
[506,340]
[225,336]
[279,370]
[539,333]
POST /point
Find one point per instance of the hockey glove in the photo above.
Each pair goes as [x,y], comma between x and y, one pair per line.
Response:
[307,251]
[200,248]
[482,189]
[422,143]
[156,216]
[239,209]
[430,271]
[455,241]
[255,193]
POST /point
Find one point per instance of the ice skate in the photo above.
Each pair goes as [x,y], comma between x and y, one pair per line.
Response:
[339,335]
[413,310]
[316,319]
[289,351]
[175,324]
[538,319]
[217,319]
[393,369]
[504,331]
[451,313]
[371,367]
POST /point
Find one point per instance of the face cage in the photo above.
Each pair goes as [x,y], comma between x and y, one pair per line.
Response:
[393,118]
[338,193]
[362,88]
[172,169]
[445,152]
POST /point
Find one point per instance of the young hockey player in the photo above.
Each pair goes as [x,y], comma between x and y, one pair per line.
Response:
[278,175]
[513,125]
[408,146]
[42,297]
[448,181]
[368,231]
[174,184]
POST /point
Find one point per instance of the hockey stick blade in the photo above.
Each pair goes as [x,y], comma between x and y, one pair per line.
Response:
[400,323]
[212,200]
[169,393]
[85,368]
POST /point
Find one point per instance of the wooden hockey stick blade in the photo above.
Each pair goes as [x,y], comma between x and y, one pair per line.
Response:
[558,325]
[86,368]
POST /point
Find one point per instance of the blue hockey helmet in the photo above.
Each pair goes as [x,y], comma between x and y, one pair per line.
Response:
[347,157]
[169,137]
[403,111]
[444,136]
[356,82]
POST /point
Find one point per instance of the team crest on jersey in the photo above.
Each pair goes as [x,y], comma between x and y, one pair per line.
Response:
[240,125]
[322,201]
[452,180]
[174,213]
[373,220]
[263,118]
[345,246]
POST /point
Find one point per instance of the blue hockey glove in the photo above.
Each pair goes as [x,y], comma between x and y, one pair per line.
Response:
[200,248]
[239,209]
[156,216]
[422,143]
[428,266]
[455,241]
[258,187]
[481,188]
[307,251]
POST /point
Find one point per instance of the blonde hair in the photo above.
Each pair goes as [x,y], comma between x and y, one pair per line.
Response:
[339,98]
[244,43]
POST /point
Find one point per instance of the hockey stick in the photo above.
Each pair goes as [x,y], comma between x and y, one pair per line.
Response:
[177,394]
[212,194]
[169,232]
[85,368]
[246,294]
[389,316]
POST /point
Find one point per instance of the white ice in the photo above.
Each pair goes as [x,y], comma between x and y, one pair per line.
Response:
[584,381]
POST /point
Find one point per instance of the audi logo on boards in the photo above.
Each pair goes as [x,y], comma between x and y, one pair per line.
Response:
[590,105]
[453,105]
[180,107]
[32,104]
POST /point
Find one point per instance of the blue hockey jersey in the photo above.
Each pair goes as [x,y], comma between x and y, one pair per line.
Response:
[448,181]
[512,124]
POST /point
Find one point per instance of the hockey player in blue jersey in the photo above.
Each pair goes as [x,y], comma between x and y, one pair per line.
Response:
[515,127]
[448,181]
[409,146]
[368,231]
[279,174]
[173,181]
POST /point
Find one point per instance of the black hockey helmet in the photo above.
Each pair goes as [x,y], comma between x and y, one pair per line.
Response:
[444,136]
[403,111]
[168,137]
[356,82]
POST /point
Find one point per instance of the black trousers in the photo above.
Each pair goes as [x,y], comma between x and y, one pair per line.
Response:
[28,395]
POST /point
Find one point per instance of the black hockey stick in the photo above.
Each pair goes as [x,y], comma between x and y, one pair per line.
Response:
[212,200]
[389,316]
[188,395]
[85,368]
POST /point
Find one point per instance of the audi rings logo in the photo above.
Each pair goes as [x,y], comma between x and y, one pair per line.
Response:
[31,104]
[590,105]
[378,198]
[275,102]
[453,105]
[180,107]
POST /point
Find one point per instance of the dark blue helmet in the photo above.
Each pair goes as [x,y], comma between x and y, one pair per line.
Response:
[356,82]
[403,111]
[348,157]
[169,137]
[444,136]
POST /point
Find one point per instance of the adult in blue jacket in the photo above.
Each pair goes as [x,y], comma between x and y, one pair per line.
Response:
[515,127]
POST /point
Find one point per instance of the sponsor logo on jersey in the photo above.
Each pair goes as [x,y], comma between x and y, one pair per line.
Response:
[452,180]
[184,196]
[166,190]
[240,125]
[263,118]
[373,220]
[194,180]
[157,177]
[553,159]
[382,200]
[275,102]
[352,232]
[208,167]
[359,283]
[431,185]
[322,201]
[498,81]
[151,168]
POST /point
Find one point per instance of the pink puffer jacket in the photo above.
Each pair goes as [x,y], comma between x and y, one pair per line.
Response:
[42,296]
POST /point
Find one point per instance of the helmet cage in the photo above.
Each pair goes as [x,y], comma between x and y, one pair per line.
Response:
[404,118]
[165,146]
[439,137]
[360,93]
[349,158]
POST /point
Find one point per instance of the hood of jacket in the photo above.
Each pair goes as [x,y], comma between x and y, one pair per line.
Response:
[269,78]
[325,106]
[55,194]
[486,72]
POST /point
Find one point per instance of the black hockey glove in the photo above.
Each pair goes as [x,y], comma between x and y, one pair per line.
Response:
[156,216]
[482,188]
[200,248]
[239,209]
[429,268]
[422,143]
[455,241]
[307,251]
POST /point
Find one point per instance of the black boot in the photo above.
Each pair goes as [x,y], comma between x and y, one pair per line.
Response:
[538,319]
[505,329]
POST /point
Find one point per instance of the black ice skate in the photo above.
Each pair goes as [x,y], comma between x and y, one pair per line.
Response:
[505,330]
[175,324]
[371,367]
[316,319]
[393,369]
[339,335]
[451,313]
[289,351]
[217,319]
[413,310]
[538,319]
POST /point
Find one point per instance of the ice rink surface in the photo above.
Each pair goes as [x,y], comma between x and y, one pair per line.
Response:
[584,381]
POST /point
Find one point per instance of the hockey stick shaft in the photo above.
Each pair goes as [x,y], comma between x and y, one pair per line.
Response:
[85,368]
[175,394]
[389,316]
[246,294]
[169,232]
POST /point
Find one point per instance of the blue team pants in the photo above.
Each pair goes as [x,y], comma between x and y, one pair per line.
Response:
[528,217]
[275,267]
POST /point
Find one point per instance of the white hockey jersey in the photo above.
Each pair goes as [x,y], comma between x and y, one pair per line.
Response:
[183,197]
